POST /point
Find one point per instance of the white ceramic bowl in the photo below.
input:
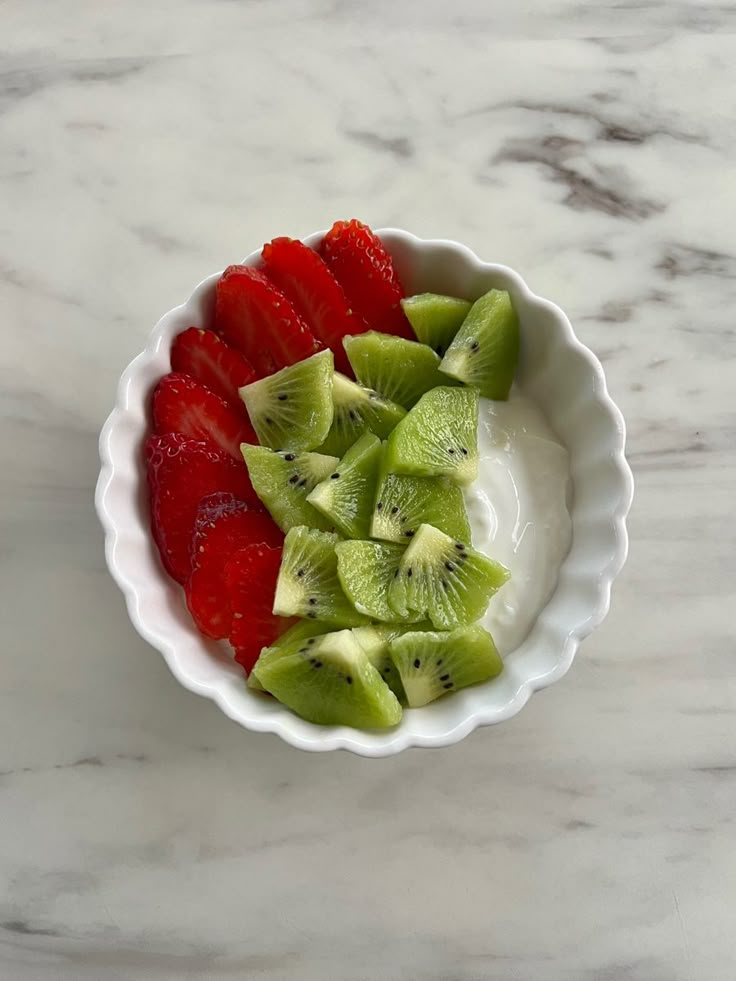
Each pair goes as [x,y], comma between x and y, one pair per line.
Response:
[556,369]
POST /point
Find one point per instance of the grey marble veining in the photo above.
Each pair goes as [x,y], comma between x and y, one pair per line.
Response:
[592,147]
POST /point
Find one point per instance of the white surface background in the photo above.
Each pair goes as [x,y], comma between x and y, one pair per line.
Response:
[142,836]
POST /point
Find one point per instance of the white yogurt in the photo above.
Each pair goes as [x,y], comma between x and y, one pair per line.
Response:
[518,510]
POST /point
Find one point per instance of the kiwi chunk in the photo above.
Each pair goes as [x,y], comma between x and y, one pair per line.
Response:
[302,634]
[445,580]
[282,480]
[308,585]
[485,351]
[366,570]
[303,630]
[397,369]
[435,319]
[346,494]
[439,437]
[331,682]
[292,409]
[357,410]
[433,664]
[374,640]
[403,503]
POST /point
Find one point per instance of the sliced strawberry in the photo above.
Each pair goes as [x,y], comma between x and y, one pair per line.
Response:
[304,277]
[222,525]
[364,269]
[181,471]
[205,356]
[257,319]
[250,581]
[183,405]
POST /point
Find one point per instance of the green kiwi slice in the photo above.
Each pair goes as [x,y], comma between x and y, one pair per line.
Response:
[403,503]
[439,437]
[345,496]
[435,319]
[444,580]
[302,633]
[331,682]
[302,630]
[433,664]
[357,410]
[308,585]
[397,369]
[485,351]
[366,570]
[283,480]
[292,409]
[374,640]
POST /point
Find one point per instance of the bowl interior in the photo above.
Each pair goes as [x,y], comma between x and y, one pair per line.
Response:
[555,369]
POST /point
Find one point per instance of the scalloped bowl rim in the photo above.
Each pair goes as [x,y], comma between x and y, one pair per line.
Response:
[127,561]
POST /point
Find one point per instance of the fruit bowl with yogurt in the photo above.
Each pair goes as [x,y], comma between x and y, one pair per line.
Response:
[389,479]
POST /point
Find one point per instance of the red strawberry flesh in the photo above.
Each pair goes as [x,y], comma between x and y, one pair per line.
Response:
[364,269]
[304,277]
[181,471]
[250,580]
[222,526]
[205,356]
[183,405]
[255,317]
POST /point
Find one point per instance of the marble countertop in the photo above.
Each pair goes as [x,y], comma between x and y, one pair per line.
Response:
[592,147]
